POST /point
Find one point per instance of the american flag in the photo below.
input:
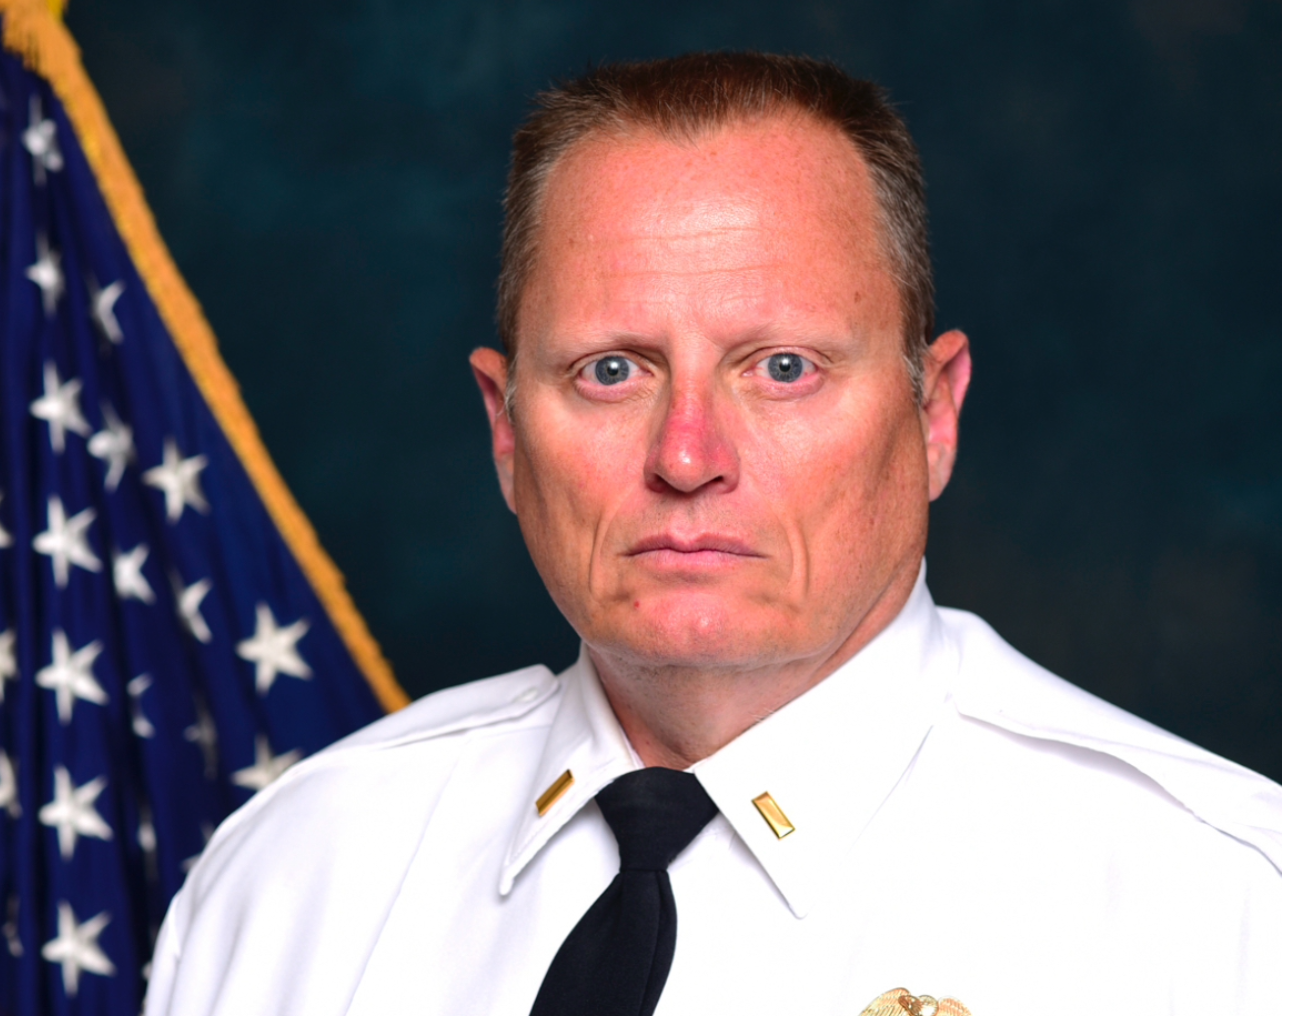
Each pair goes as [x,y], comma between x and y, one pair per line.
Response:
[164,651]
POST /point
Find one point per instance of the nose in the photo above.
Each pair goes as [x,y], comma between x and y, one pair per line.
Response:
[691,449]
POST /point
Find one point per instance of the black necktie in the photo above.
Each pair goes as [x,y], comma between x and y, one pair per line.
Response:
[616,960]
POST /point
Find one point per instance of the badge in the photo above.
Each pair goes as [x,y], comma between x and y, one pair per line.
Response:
[898,1002]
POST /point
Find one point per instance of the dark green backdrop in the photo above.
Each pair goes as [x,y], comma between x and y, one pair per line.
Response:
[1105,189]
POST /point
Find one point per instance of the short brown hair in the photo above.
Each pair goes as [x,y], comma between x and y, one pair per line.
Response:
[682,97]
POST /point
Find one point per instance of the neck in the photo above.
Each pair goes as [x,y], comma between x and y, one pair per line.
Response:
[676,715]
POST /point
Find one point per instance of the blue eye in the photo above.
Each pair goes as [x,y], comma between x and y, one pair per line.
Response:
[612,370]
[786,367]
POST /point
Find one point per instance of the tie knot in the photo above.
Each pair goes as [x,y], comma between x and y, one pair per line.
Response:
[654,813]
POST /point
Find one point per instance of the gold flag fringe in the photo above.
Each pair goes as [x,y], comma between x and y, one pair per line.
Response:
[34,32]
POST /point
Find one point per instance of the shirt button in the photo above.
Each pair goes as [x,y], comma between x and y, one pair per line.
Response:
[527,695]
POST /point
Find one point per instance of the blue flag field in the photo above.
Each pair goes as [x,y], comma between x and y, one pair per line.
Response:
[172,637]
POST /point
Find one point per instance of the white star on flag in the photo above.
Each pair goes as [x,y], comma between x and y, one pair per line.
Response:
[204,735]
[72,812]
[8,661]
[146,836]
[42,143]
[148,839]
[69,675]
[188,607]
[272,649]
[64,540]
[179,479]
[137,687]
[267,767]
[129,583]
[114,446]
[9,787]
[5,539]
[77,948]
[102,309]
[58,407]
[47,275]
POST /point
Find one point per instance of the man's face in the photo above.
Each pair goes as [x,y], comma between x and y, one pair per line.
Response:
[715,452]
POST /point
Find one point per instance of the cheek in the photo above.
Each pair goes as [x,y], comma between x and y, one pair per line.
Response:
[888,517]
[854,488]
[567,478]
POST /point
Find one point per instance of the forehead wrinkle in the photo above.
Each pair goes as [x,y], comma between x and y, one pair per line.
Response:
[685,261]
[705,227]
[665,237]
[733,302]
[698,217]
[735,270]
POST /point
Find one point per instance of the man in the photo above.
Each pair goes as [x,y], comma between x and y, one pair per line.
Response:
[720,424]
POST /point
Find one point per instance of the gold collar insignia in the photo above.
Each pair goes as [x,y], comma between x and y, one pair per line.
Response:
[898,1002]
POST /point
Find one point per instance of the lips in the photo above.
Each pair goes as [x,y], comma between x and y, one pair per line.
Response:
[703,544]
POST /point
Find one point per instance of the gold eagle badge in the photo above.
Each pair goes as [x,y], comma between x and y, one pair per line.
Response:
[898,1002]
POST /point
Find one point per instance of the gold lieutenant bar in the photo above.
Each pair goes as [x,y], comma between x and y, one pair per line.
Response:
[774,816]
[553,792]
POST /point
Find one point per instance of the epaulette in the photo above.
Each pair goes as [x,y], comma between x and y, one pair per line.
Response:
[1000,686]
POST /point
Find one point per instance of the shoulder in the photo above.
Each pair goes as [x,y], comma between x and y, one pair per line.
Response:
[1000,687]
[304,875]
[466,707]
[390,774]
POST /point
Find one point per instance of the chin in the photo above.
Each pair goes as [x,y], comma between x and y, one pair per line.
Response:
[697,630]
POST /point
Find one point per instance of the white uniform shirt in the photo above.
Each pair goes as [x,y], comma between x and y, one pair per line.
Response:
[965,824]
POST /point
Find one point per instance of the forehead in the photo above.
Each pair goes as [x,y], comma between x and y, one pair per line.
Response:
[784,204]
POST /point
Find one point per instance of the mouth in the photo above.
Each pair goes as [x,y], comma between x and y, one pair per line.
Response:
[705,550]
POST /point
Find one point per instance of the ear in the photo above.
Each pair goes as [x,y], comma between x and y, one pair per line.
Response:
[492,373]
[948,367]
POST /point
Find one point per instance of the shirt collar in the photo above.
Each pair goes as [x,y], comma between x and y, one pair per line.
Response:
[586,749]
[828,759]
